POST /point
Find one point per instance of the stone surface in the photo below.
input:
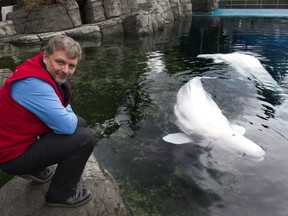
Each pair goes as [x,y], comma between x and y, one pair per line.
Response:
[138,23]
[126,6]
[94,11]
[4,74]
[204,5]
[7,29]
[111,26]
[46,18]
[23,197]
[75,17]
[23,39]
[51,24]
[85,32]
[187,7]
[112,8]
[111,16]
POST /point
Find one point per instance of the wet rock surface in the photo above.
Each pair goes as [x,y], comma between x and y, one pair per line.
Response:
[24,197]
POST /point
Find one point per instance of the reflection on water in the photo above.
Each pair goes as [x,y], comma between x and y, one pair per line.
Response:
[126,88]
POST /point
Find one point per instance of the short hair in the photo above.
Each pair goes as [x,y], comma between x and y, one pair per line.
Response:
[61,42]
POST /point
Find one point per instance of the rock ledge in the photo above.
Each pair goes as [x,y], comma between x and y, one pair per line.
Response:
[23,197]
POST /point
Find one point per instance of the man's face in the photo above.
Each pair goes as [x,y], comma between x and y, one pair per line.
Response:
[59,65]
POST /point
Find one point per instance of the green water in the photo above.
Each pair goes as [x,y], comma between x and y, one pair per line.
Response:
[4,178]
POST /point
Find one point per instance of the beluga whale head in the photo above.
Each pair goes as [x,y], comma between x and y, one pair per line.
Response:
[197,114]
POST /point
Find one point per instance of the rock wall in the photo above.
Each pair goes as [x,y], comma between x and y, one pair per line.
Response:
[111,16]
[153,15]
[7,29]
[4,74]
[46,18]
[204,5]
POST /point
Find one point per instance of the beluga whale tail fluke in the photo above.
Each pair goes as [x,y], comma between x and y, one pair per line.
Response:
[198,114]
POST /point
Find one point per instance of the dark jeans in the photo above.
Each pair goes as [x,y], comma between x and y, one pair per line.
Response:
[70,152]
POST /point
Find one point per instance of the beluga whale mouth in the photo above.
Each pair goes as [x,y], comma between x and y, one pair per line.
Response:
[198,114]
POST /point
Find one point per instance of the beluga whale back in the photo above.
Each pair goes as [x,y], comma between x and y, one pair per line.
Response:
[198,114]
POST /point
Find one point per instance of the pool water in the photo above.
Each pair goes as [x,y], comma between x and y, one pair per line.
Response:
[158,178]
[126,88]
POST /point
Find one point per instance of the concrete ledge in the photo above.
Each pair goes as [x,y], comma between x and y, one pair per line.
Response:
[91,31]
[23,197]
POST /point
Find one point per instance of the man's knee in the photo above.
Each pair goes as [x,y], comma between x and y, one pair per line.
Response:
[88,137]
[81,122]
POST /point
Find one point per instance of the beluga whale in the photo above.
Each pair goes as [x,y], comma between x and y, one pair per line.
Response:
[246,65]
[197,114]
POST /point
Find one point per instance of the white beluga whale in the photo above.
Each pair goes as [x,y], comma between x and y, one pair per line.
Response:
[198,114]
[246,65]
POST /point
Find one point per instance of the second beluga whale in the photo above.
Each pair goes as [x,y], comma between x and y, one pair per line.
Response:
[198,114]
[246,65]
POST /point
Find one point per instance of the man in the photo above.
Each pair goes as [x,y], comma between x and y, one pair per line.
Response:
[38,127]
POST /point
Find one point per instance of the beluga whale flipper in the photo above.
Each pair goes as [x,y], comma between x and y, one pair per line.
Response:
[197,113]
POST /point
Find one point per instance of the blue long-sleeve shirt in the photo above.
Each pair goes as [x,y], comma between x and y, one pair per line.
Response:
[40,98]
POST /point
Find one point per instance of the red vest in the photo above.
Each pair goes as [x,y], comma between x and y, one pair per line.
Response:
[19,127]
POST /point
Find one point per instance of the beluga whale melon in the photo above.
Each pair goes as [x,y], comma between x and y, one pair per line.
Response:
[198,114]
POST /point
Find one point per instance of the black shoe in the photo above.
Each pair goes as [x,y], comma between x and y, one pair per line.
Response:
[41,176]
[80,197]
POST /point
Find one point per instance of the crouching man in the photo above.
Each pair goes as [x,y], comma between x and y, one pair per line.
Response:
[38,127]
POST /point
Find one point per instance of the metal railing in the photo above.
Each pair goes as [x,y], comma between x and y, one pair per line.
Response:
[256,4]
